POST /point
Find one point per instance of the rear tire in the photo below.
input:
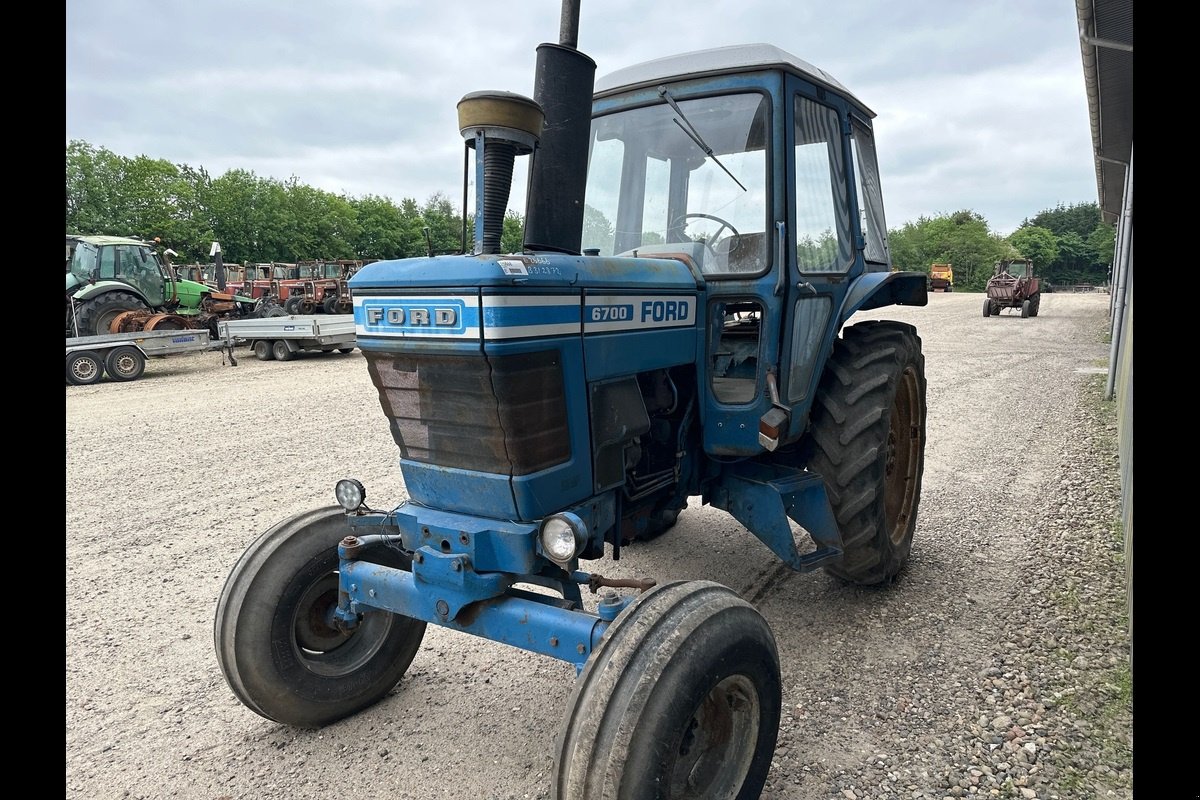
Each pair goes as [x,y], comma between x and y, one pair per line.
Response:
[95,316]
[273,642]
[681,698]
[280,350]
[1035,303]
[262,350]
[125,363]
[84,368]
[867,440]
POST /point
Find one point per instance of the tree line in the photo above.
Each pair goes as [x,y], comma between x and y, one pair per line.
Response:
[261,219]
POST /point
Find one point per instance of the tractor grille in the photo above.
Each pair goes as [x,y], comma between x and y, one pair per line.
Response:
[503,415]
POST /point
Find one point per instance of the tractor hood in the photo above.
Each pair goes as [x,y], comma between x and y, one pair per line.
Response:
[551,270]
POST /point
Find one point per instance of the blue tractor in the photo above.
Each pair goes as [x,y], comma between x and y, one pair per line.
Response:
[699,230]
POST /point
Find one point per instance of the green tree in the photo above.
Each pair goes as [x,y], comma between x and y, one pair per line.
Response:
[962,239]
[1039,245]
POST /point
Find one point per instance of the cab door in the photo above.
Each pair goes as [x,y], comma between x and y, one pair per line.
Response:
[823,243]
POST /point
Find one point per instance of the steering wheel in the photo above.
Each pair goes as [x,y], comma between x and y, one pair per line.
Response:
[709,240]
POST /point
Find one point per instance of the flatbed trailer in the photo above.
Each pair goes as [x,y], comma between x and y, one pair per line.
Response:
[281,338]
[122,356]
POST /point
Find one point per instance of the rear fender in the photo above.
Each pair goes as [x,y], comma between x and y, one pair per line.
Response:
[94,290]
[879,289]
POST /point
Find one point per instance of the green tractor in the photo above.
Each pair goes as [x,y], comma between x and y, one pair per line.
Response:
[117,284]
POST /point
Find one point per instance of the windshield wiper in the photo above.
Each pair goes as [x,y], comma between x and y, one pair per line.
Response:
[687,127]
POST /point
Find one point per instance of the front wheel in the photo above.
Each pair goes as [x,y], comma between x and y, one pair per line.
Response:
[125,363]
[987,307]
[275,641]
[867,440]
[1025,306]
[681,699]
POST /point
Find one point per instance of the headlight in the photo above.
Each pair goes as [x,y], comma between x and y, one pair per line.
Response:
[350,494]
[563,536]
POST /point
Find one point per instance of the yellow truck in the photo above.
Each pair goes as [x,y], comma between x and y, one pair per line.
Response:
[941,276]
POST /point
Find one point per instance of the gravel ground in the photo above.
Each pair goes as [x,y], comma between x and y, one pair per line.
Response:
[998,664]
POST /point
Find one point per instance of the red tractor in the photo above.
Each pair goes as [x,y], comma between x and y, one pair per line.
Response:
[1013,285]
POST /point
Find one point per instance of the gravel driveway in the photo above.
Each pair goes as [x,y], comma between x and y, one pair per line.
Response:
[996,666]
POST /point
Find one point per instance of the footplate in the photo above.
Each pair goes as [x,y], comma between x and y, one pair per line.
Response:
[768,498]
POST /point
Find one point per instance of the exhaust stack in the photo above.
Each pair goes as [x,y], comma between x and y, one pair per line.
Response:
[563,85]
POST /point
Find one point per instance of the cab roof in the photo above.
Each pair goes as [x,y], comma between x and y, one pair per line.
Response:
[719,61]
[100,241]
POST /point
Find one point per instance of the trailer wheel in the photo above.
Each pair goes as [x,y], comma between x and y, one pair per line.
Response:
[987,307]
[867,440]
[262,350]
[84,368]
[1025,305]
[273,640]
[125,363]
[345,350]
[280,350]
[680,699]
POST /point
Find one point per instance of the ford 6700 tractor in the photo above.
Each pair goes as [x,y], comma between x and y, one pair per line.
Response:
[699,231]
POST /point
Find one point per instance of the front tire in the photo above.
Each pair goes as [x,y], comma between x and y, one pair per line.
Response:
[273,640]
[681,699]
[867,440]
[987,307]
[1035,303]
[1025,306]
[125,363]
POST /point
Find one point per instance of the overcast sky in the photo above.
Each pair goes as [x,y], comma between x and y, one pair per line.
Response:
[981,105]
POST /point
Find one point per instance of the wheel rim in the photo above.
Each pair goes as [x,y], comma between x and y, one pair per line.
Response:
[320,645]
[83,370]
[718,747]
[903,457]
[124,364]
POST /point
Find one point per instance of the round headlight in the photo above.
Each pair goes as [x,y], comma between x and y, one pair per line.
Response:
[350,494]
[563,536]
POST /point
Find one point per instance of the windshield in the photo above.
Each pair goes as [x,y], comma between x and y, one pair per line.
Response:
[653,188]
[83,260]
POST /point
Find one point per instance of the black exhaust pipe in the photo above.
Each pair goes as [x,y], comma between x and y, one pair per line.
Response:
[563,85]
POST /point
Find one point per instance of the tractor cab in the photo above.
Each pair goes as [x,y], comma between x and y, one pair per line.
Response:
[758,170]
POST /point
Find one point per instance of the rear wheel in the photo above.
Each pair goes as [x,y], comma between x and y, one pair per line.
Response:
[275,641]
[867,440]
[681,699]
[125,363]
[84,368]
[1035,303]
[262,350]
[95,316]
[280,350]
